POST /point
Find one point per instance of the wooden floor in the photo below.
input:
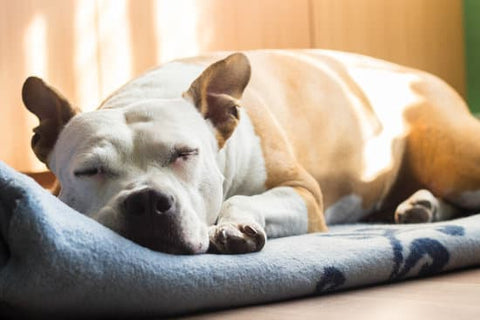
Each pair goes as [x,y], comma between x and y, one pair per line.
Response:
[453,296]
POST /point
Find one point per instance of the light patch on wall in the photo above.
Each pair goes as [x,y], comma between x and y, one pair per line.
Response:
[86,76]
[35,51]
[176,29]
[115,57]
[35,47]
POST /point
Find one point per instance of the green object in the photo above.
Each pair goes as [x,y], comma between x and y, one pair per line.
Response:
[471,9]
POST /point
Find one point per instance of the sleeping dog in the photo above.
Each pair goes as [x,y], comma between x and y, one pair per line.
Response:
[222,153]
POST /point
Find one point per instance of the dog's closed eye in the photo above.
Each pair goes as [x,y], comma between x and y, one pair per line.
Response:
[88,172]
[183,153]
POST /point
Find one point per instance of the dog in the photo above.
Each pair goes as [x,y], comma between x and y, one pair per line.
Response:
[220,152]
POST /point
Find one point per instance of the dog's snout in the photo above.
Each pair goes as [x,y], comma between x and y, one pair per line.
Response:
[148,201]
[152,219]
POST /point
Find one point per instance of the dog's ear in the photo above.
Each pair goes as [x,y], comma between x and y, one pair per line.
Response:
[217,90]
[53,112]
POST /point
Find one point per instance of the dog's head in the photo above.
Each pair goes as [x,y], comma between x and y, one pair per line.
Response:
[147,170]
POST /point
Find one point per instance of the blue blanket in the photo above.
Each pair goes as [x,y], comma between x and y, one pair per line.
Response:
[55,261]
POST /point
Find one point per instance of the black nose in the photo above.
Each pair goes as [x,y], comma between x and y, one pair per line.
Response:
[148,201]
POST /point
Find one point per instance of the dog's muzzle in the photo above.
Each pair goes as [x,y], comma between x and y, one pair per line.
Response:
[151,219]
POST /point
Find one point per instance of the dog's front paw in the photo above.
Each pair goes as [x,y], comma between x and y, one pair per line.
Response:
[420,207]
[233,238]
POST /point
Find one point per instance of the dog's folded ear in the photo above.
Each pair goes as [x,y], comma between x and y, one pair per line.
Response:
[53,112]
[217,90]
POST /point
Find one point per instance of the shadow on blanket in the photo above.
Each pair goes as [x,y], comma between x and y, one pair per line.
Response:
[55,261]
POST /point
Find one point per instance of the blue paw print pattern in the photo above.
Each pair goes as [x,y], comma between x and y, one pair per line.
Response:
[421,256]
[427,253]
[452,230]
[331,280]
[430,252]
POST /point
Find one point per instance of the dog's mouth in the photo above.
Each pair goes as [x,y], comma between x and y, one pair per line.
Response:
[167,244]
[165,233]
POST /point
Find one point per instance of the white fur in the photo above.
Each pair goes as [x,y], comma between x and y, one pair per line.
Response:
[242,162]
[132,143]
[167,82]
[281,211]
[347,209]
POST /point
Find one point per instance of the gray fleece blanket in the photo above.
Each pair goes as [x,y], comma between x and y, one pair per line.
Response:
[56,262]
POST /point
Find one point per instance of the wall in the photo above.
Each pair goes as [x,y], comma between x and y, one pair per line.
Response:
[88,48]
[472,42]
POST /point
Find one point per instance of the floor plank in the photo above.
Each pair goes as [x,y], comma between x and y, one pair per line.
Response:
[449,296]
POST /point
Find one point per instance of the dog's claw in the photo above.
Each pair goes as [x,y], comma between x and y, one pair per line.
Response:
[222,237]
[249,230]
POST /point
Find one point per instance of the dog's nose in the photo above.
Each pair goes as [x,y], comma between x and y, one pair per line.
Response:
[148,201]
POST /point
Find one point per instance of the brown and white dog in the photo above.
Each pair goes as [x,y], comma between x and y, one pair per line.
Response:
[199,154]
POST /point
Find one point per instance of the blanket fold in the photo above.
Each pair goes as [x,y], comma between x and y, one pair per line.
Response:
[56,261]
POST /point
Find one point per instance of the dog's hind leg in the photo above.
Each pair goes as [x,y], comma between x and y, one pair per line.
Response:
[444,151]
[423,206]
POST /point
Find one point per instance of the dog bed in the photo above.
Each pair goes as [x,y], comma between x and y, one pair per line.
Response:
[56,261]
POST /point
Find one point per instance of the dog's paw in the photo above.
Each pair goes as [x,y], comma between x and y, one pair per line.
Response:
[420,207]
[234,238]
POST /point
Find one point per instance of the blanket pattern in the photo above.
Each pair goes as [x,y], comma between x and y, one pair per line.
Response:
[55,261]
